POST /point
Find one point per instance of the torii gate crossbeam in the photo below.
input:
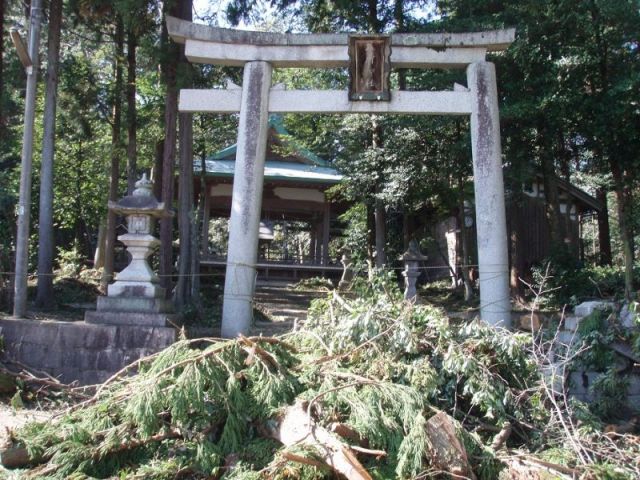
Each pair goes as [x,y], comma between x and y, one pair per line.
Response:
[260,52]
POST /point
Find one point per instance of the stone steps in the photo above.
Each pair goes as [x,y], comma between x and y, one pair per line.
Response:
[283,307]
[284,295]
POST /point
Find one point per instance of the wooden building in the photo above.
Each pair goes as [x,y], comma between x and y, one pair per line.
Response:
[527,229]
[294,202]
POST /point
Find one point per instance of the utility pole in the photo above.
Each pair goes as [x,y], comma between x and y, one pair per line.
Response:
[30,62]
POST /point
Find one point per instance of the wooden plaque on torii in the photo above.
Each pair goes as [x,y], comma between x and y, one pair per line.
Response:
[369,67]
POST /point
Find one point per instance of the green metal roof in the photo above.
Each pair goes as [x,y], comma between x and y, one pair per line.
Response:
[275,122]
[275,170]
[312,169]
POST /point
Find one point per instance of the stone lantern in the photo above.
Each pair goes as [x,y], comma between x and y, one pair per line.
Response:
[411,258]
[136,298]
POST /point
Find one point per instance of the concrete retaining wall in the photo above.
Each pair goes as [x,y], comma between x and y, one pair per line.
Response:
[77,351]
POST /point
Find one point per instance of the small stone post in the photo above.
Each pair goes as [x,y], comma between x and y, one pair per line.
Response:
[347,272]
[411,258]
[244,222]
[491,223]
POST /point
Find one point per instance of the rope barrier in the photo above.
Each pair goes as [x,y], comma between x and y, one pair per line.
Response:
[276,265]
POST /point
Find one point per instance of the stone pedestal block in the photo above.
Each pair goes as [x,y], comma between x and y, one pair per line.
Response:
[135,289]
[131,318]
[134,304]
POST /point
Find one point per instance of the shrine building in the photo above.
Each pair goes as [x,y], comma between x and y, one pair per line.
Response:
[298,218]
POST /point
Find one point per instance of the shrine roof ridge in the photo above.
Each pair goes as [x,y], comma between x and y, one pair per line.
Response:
[181,30]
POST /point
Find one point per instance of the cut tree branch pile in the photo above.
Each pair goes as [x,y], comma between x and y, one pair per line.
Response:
[14,375]
[370,388]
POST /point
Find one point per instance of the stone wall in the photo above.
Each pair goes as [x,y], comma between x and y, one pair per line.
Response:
[77,351]
[579,382]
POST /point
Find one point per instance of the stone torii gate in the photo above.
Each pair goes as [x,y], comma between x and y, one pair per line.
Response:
[260,52]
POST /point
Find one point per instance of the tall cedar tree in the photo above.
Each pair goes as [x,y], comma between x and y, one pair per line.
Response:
[46,240]
[2,119]
[116,149]
[171,58]
[188,231]
[132,118]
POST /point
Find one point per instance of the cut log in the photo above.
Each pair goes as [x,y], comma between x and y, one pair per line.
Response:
[529,322]
[531,468]
[446,451]
[296,427]
[14,457]
[346,432]
[501,438]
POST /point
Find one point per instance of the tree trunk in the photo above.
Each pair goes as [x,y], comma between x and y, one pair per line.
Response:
[379,208]
[46,242]
[398,15]
[407,228]
[381,234]
[445,450]
[604,236]
[371,238]
[204,209]
[24,200]
[295,427]
[185,211]
[374,25]
[156,174]
[107,273]
[132,143]
[2,119]
[169,154]
[563,156]
[624,200]
[6,286]
[517,266]
[98,257]
[552,202]
[379,211]
[468,289]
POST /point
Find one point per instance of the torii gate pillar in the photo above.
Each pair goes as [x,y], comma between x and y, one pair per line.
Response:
[491,224]
[248,179]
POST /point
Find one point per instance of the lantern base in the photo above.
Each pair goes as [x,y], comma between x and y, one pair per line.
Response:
[139,319]
[130,310]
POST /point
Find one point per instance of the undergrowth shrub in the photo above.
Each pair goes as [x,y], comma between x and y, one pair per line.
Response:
[70,261]
[568,282]
[313,283]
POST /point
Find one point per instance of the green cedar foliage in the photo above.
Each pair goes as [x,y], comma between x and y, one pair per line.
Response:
[376,364]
